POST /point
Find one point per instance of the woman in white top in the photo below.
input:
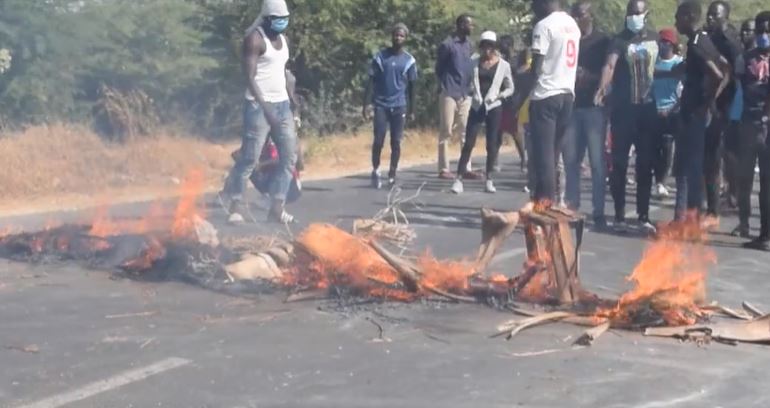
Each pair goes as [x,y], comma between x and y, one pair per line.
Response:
[492,83]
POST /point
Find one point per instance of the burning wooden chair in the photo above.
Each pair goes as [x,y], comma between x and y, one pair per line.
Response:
[552,254]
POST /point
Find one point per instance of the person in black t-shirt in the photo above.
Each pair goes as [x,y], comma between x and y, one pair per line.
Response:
[727,41]
[705,78]
[754,74]
[587,128]
[630,70]
[509,123]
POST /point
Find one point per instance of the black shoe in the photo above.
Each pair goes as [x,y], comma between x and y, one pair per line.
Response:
[376,180]
[600,224]
[742,231]
[620,226]
[759,244]
[392,179]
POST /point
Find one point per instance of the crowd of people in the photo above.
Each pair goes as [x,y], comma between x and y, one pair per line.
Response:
[698,110]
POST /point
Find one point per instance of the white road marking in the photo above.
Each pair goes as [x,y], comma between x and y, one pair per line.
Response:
[108,384]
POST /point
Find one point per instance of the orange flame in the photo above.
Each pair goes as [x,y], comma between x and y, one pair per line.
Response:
[447,275]
[671,275]
[103,225]
[187,209]
[157,218]
[154,251]
[342,259]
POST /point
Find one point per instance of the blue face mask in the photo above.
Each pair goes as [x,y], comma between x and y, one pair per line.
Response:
[635,23]
[763,41]
[279,24]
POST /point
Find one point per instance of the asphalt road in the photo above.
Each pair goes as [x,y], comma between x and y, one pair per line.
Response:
[71,337]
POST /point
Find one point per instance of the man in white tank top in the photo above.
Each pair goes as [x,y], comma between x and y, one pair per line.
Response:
[267,112]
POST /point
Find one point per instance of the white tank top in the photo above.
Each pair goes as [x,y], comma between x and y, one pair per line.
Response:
[271,71]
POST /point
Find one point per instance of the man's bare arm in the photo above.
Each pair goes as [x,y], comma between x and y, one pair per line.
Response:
[367,98]
[717,77]
[253,48]
[291,89]
[607,73]
[528,82]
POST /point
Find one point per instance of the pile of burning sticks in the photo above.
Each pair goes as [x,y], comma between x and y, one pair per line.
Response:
[668,297]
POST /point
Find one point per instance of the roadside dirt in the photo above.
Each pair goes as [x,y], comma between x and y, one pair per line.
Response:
[65,167]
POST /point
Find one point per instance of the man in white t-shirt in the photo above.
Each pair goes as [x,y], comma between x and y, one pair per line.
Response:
[555,48]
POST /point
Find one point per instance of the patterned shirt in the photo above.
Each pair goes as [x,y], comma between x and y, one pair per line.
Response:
[635,70]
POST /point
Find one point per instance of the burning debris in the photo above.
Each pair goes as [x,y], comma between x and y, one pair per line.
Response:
[668,297]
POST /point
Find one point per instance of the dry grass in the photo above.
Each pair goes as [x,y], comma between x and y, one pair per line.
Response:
[68,167]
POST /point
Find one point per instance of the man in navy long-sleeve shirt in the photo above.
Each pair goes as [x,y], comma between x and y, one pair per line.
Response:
[453,69]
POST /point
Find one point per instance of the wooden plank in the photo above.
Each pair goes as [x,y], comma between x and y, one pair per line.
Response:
[559,267]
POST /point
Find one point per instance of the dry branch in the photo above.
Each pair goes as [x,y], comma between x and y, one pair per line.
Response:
[125,315]
[314,294]
[518,326]
[590,335]
[409,272]
[577,320]
[754,331]
[393,208]
[727,311]
[755,312]
[452,296]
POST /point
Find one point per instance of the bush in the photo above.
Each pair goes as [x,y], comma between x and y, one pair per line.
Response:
[178,61]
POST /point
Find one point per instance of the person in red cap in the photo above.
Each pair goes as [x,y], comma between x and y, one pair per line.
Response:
[666,90]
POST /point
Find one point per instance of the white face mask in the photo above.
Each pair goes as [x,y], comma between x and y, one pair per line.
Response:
[635,23]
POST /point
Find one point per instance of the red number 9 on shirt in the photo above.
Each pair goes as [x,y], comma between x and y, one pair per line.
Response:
[571,54]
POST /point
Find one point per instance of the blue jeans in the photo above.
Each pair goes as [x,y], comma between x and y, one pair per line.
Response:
[586,131]
[688,162]
[255,133]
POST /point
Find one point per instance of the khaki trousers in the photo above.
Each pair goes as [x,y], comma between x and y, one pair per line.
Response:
[453,117]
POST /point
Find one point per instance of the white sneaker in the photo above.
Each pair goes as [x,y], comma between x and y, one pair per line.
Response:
[562,201]
[526,189]
[648,227]
[457,187]
[662,190]
[490,187]
[235,218]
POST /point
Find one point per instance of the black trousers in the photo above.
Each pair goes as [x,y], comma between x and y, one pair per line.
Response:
[633,125]
[753,147]
[664,152]
[712,162]
[384,118]
[548,119]
[731,142]
[491,120]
